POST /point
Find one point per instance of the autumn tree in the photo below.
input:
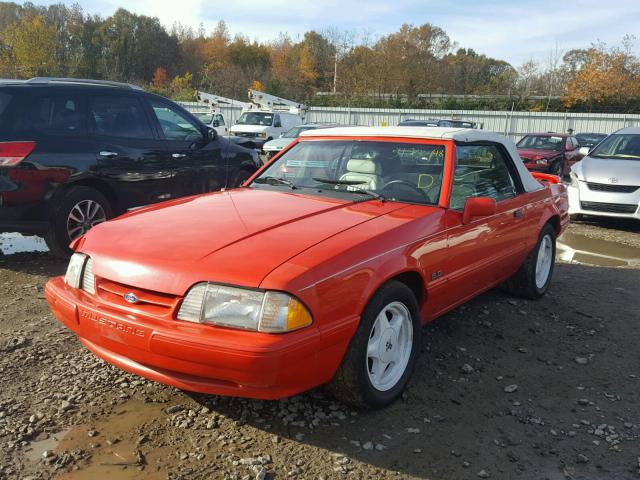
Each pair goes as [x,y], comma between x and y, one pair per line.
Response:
[160,78]
[605,75]
[29,46]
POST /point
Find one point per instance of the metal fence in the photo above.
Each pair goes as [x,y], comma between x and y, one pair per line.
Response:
[512,124]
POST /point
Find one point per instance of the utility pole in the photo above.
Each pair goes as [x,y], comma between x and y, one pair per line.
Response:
[335,72]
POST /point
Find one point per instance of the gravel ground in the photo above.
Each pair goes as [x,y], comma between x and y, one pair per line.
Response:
[504,389]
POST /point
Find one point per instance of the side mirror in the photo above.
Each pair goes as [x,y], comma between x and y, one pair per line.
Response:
[478,207]
[211,134]
[281,135]
[584,151]
[215,123]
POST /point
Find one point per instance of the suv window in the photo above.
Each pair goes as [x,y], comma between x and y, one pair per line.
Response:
[51,114]
[481,171]
[174,124]
[114,116]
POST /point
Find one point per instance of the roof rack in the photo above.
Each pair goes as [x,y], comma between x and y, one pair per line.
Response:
[81,81]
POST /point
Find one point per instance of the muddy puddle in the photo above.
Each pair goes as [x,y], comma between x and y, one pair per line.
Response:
[16,243]
[593,251]
[116,446]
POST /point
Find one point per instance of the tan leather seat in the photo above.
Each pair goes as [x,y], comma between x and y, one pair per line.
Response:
[365,171]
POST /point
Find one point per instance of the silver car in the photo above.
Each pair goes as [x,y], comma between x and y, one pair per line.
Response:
[607,181]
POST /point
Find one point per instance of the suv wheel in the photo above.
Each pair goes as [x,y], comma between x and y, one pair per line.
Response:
[77,211]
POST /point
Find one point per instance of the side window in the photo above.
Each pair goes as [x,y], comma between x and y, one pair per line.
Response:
[481,171]
[56,115]
[174,124]
[276,121]
[114,116]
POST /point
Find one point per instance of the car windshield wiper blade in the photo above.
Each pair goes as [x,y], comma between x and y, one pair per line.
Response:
[352,183]
[276,181]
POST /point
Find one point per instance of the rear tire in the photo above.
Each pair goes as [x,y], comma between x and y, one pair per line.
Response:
[383,351]
[533,278]
[76,210]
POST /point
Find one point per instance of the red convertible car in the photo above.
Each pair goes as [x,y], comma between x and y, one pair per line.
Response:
[321,269]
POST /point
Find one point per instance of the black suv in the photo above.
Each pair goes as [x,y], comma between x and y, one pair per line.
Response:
[74,153]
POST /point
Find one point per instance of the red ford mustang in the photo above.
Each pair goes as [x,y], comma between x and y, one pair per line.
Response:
[320,270]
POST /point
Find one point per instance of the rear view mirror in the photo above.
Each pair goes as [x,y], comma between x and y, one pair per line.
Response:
[584,151]
[478,207]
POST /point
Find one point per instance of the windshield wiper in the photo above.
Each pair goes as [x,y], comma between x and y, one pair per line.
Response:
[352,183]
[276,181]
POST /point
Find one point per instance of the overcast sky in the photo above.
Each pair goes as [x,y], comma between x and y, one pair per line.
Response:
[513,30]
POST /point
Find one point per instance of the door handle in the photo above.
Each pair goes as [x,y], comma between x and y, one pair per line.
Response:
[518,213]
[178,155]
[107,154]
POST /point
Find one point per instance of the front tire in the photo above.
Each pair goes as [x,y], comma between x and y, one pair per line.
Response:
[76,211]
[382,354]
[533,278]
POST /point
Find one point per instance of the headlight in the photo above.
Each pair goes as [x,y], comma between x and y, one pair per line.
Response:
[574,179]
[263,135]
[243,308]
[80,273]
[542,161]
[74,270]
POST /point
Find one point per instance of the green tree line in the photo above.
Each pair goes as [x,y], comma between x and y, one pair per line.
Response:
[405,68]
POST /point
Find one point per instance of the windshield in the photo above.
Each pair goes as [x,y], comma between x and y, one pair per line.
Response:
[205,118]
[256,118]
[589,139]
[541,142]
[296,131]
[618,146]
[406,172]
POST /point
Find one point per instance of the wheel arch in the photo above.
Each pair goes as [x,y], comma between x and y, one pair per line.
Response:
[101,186]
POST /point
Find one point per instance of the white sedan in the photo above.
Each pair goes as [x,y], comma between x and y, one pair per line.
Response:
[607,181]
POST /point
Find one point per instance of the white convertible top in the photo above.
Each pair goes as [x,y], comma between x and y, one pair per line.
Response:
[463,135]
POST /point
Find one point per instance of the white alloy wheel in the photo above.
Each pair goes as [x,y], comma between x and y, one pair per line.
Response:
[544,261]
[389,346]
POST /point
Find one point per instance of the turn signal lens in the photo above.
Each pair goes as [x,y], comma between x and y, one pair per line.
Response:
[283,313]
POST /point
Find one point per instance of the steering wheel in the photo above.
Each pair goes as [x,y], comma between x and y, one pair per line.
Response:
[404,183]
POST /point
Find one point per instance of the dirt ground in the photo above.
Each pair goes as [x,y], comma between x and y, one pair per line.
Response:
[504,389]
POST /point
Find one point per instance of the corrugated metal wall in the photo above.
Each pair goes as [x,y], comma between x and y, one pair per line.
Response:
[513,124]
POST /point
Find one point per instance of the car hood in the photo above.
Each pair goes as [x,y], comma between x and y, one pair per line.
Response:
[532,154]
[278,143]
[234,237]
[248,128]
[604,170]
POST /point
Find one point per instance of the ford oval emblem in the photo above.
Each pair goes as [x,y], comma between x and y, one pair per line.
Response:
[130,297]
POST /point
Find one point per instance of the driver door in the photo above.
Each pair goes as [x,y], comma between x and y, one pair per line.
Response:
[487,249]
[198,163]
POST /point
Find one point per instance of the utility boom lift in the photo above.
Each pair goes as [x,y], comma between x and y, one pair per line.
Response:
[266,101]
[216,101]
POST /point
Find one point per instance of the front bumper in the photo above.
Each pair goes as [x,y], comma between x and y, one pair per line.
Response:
[195,357]
[583,201]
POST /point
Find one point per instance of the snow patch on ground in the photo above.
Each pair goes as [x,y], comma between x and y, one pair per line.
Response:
[17,243]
